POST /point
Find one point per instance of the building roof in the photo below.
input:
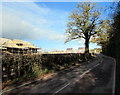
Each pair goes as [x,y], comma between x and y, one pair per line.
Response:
[69,49]
[81,48]
[16,43]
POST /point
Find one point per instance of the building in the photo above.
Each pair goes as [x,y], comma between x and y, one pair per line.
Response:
[69,50]
[81,50]
[96,50]
[57,52]
[17,46]
[75,50]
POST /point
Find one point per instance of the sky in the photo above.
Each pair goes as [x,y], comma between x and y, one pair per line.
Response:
[41,23]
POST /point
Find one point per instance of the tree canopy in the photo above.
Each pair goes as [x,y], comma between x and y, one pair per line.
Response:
[112,48]
[85,22]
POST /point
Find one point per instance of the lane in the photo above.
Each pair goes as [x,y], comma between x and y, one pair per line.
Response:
[95,77]
[60,81]
[99,80]
[78,78]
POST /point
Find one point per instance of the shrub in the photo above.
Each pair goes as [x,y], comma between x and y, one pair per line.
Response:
[16,66]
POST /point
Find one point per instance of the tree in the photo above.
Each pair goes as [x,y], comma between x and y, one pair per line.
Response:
[102,37]
[113,47]
[115,34]
[84,22]
[109,40]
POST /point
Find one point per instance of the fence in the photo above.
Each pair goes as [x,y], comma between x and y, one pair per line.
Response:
[16,66]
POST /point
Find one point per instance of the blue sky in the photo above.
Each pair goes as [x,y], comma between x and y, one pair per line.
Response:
[41,23]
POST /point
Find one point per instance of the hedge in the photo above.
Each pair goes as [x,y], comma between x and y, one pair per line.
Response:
[16,66]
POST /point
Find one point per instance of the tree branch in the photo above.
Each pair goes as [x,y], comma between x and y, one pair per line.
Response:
[70,39]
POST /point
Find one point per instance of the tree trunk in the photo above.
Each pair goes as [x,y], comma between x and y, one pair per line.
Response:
[87,46]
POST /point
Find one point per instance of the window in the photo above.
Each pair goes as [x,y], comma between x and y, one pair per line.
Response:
[19,44]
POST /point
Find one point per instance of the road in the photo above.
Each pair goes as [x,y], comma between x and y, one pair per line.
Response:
[95,77]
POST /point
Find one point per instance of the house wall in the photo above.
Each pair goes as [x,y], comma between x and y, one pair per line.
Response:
[21,51]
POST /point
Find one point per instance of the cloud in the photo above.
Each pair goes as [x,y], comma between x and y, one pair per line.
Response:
[14,27]
[57,36]
[81,41]
[30,21]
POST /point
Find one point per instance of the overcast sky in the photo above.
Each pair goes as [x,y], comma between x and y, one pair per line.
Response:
[41,23]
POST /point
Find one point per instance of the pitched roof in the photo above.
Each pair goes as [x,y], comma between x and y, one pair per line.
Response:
[16,43]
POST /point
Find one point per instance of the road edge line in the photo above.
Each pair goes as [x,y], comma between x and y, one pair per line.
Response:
[81,76]
[4,91]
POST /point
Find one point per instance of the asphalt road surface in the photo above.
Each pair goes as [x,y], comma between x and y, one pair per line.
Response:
[96,77]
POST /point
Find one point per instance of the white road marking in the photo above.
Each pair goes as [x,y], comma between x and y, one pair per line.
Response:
[50,80]
[81,76]
[114,77]
[23,85]
[29,83]
[20,86]
[62,88]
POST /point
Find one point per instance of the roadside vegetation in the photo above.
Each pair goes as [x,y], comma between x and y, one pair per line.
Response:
[112,48]
[20,68]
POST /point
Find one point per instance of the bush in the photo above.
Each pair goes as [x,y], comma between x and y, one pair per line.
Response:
[17,66]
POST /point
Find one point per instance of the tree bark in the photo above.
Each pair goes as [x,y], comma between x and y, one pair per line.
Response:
[87,45]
